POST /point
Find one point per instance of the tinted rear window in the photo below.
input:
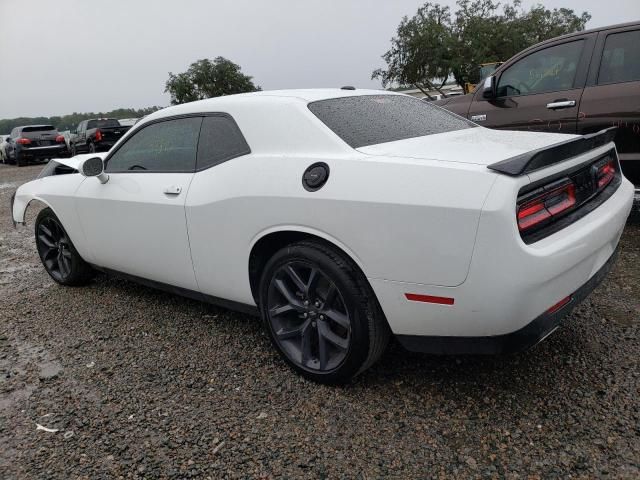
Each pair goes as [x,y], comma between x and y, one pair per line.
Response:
[109,122]
[372,119]
[621,58]
[41,128]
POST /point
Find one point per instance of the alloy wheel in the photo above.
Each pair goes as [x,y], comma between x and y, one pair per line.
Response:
[54,247]
[308,317]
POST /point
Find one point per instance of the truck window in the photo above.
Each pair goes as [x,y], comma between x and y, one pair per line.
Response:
[105,123]
[620,58]
[549,70]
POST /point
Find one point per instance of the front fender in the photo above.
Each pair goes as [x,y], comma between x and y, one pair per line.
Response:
[58,193]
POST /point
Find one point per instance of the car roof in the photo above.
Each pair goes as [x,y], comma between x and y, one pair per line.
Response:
[583,32]
[294,95]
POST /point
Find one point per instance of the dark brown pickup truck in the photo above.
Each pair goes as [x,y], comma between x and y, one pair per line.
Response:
[578,83]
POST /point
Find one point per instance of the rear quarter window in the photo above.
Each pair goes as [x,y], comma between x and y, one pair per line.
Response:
[220,140]
[371,119]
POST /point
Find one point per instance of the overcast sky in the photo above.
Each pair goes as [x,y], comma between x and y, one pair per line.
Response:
[77,55]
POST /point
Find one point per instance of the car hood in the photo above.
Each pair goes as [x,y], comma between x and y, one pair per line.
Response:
[479,145]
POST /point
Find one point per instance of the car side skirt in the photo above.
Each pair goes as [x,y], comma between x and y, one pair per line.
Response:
[184,292]
[513,342]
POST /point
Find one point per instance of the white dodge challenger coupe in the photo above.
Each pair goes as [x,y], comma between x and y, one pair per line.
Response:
[343,217]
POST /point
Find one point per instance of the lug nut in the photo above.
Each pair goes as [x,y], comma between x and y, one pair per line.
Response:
[304,314]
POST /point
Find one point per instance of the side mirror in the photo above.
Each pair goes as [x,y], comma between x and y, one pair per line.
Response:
[94,167]
[489,87]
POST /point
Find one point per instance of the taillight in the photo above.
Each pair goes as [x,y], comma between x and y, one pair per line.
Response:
[98,136]
[546,205]
[23,141]
[60,138]
[605,173]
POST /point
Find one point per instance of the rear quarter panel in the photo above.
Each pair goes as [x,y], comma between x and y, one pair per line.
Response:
[406,220]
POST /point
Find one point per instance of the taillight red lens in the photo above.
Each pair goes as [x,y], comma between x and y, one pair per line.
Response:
[60,138]
[531,214]
[98,136]
[606,173]
[546,205]
[23,141]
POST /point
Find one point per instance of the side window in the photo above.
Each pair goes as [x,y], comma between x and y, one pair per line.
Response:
[168,146]
[220,140]
[620,58]
[549,70]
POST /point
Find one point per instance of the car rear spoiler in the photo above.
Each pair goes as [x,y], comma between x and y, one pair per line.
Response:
[543,157]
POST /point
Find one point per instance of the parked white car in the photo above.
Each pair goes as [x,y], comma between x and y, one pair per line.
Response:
[343,217]
[3,152]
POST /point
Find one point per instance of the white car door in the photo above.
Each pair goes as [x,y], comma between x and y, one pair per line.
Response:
[135,222]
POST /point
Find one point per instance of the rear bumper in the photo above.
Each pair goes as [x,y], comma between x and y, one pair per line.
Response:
[43,152]
[509,283]
[513,342]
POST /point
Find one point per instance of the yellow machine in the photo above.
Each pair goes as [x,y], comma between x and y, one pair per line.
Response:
[484,70]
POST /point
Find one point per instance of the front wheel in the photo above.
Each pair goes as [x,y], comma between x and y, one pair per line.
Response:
[60,258]
[320,312]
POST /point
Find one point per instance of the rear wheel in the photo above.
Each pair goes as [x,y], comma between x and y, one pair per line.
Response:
[20,160]
[320,313]
[92,147]
[59,257]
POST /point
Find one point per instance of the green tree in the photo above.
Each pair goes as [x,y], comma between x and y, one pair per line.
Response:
[206,79]
[71,121]
[434,45]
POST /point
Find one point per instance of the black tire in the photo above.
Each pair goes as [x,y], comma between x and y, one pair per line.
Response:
[308,335]
[73,151]
[20,160]
[59,257]
[92,147]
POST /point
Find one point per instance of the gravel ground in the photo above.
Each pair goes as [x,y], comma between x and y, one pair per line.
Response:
[144,384]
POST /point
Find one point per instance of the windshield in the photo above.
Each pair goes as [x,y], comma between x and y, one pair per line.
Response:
[371,119]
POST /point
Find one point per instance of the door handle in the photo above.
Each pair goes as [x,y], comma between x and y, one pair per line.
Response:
[172,190]
[561,104]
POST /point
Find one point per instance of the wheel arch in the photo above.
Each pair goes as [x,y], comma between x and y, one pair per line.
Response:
[21,206]
[268,242]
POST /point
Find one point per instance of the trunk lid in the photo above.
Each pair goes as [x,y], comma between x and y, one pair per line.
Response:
[40,136]
[480,146]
